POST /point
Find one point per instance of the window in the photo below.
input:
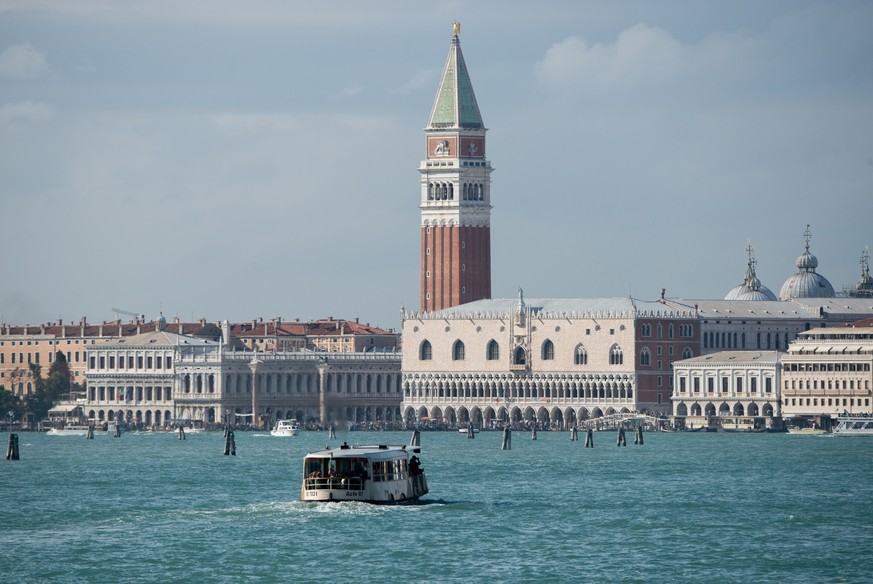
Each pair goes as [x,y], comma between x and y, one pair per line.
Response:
[492,351]
[646,330]
[645,357]
[458,351]
[616,357]
[548,351]
[425,352]
[520,356]
[580,356]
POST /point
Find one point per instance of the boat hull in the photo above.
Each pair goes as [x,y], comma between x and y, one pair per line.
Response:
[379,493]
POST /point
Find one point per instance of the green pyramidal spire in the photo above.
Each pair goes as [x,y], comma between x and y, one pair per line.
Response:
[455,105]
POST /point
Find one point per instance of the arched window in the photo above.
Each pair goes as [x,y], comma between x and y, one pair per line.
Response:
[520,357]
[616,357]
[492,352]
[458,351]
[580,356]
[645,357]
[686,353]
[548,351]
[425,352]
[646,330]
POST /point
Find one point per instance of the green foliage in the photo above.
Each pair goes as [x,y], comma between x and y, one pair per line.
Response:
[60,366]
[10,402]
[50,389]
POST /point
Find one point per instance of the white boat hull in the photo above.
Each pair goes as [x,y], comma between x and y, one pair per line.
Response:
[388,492]
[854,426]
[286,428]
[284,432]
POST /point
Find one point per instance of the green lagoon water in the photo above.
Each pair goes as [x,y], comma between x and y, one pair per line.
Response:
[682,508]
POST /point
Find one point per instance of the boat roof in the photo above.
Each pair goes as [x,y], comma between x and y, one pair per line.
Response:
[373,451]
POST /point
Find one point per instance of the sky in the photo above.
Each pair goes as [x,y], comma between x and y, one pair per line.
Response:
[233,160]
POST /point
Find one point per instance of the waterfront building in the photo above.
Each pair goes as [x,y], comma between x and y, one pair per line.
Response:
[21,345]
[728,389]
[549,361]
[131,379]
[827,371]
[455,193]
[766,325]
[155,377]
[216,384]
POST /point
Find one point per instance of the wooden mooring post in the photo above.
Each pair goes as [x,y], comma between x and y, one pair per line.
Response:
[229,444]
[12,450]
[622,440]
[589,439]
[507,439]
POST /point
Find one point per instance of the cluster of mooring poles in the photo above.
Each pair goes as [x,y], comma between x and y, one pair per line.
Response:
[181,433]
[506,444]
[638,436]
[416,438]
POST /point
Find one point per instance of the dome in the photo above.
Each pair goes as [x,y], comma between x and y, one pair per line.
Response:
[806,261]
[806,283]
[751,288]
[743,292]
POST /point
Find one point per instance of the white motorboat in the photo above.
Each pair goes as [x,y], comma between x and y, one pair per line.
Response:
[70,430]
[467,431]
[858,425]
[371,474]
[100,429]
[286,428]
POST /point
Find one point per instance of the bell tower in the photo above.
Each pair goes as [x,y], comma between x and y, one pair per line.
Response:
[455,193]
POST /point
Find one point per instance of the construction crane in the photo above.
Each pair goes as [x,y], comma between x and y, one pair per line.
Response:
[135,316]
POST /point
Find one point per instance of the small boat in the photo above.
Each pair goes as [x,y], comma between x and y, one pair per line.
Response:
[70,430]
[380,473]
[466,430]
[806,430]
[857,425]
[100,429]
[286,428]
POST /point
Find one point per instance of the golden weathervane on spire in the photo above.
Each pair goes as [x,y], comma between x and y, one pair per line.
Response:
[456,28]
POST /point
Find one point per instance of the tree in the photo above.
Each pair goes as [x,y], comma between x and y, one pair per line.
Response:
[9,402]
[60,367]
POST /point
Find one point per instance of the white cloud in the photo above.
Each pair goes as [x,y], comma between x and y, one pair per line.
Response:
[350,91]
[26,111]
[425,78]
[22,62]
[640,56]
